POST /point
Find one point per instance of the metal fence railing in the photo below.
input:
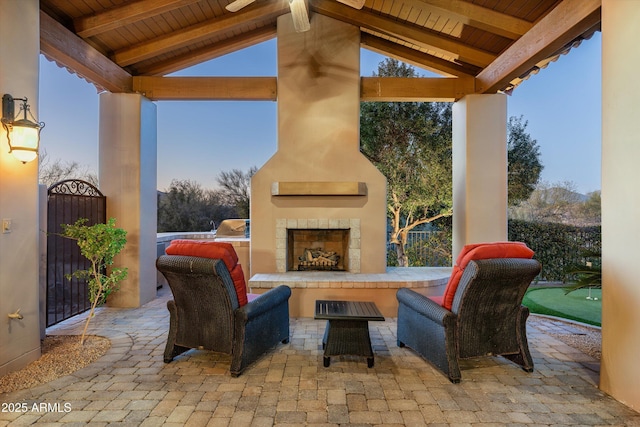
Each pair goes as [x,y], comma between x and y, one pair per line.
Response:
[425,249]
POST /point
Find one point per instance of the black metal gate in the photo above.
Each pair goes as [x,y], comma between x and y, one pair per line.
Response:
[68,201]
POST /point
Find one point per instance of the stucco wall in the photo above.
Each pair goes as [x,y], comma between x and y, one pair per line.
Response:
[619,373]
[19,248]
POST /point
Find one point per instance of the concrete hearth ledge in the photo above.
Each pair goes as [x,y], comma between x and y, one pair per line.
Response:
[394,278]
[309,286]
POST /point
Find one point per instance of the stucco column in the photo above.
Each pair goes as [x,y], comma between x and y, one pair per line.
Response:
[479,170]
[19,248]
[619,371]
[128,175]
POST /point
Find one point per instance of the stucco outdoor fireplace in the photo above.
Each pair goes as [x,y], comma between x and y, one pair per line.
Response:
[318,191]
[318,180]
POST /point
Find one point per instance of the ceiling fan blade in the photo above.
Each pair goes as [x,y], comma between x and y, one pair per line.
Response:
[237,5]
[356,4]
[300,15]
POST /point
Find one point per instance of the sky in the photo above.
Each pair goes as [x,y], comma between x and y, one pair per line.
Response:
[198,140]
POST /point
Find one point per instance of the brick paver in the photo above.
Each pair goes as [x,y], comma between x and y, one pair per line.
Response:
[131,385]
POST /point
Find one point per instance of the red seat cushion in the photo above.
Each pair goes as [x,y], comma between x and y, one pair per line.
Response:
[214,250]
[480,251]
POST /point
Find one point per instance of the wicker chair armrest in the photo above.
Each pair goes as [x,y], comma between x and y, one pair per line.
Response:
[423,305]
[264,303]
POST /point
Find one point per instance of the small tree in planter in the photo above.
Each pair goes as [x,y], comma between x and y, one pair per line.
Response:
[99,243]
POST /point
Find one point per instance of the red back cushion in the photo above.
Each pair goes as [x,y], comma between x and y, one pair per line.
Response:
[214,250]
[239,283]
[481,251]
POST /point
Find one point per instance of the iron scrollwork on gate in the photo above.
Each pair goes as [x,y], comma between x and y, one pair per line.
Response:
[75,187]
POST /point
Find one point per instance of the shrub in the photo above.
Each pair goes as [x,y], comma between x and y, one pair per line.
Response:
[99,243]
[558,247]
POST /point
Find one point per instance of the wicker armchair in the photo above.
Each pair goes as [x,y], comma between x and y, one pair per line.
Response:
[205,313]
[486,317]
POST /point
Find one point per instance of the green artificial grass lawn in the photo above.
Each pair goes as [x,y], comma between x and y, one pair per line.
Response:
[574,305]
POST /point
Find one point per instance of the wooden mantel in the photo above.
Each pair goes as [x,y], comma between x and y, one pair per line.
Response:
[319,188]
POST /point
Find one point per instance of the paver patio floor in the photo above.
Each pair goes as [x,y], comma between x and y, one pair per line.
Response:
[131,385]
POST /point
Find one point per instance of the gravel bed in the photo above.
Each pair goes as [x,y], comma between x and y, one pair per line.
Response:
[61,355]
[587,340]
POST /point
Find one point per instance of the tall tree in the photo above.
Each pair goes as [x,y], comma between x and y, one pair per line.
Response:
[235,189]
[410,143]
[524,161]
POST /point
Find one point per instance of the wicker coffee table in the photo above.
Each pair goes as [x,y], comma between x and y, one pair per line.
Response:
[347,331]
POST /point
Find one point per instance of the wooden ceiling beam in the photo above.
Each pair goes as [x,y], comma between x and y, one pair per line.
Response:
[384,89]
[567,21]
[410,33]
[414,57]
[64,47]
[125,14]
[407,89]
[206,54]
[475,16]
[206,88]
[195,33]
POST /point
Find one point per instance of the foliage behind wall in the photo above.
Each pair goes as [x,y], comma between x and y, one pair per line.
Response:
[557,246]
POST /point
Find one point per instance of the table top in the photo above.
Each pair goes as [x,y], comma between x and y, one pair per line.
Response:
[347,310]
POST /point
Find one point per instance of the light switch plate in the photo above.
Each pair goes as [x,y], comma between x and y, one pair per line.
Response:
[6,226]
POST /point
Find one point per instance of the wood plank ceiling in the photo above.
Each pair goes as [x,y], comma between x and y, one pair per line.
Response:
[489,45]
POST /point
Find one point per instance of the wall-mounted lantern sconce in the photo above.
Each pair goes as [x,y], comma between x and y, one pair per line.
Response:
[23,134]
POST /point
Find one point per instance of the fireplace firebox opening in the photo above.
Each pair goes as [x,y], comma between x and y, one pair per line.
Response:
[317,249]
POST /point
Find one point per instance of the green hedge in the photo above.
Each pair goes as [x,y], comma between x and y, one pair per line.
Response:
[557,246]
